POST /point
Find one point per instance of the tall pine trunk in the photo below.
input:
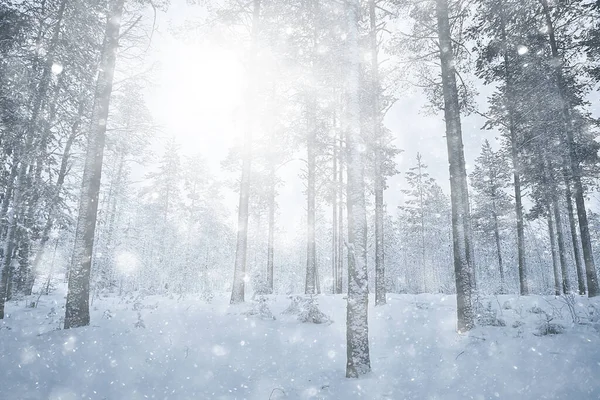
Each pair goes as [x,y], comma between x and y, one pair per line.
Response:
[340,267]
[555,262]
[334,218]
[498,248]
[568,141]
[357,327]
[271,228]
[26,153]
[574,238]
[77,311]
[239,274]
[62,173]
[459,195]
[311,262]
[380,294]
[550,185]
[515,159]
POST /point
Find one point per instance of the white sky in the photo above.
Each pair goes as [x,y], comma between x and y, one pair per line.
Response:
[198,99]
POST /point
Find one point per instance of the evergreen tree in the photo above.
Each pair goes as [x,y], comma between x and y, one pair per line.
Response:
[491,204]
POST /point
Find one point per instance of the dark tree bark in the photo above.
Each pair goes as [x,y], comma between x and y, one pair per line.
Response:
[574,238]
[515,159]
[498,248]
[77,312]
[341,235]
[459,196]
[568,141]
[555,262]
[25,156]
[334,217]
[380,290]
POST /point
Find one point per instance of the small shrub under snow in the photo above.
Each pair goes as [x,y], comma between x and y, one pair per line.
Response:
[489,317]
[311,313]
[261,310]
[296,306]
[536,310]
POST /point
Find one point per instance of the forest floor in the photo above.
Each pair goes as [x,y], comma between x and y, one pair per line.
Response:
[140,347]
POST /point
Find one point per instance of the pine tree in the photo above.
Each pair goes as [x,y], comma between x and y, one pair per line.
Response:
[77,308]
[461,230]
[489,179]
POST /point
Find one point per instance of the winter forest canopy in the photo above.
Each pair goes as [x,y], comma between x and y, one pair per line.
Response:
[419,178]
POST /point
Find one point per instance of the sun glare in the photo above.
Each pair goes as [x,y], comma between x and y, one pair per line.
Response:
[199,94]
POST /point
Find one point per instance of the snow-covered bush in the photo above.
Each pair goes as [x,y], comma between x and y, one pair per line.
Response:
[547,327]
[260,288]
[536,310]
[310,313]
[207,296]
[489,317]
[140,321]
[261,310]
[296,306]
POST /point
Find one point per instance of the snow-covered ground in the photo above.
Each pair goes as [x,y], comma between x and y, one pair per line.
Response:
[169,348]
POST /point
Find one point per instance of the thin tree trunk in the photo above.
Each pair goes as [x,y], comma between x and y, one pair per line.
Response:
[380,289]
[458,180]
[26,270]
[62,173]
[310,195]
[567,140]
[574,239]
[561,246]
[271,234]
[334,218]
[555,262]
[341,235]
[239,274]
[498,249]
[77,311]
[26,158]
[514,153]
[550,184]
[357,328]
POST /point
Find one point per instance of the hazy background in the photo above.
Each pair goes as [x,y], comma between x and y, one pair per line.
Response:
[197,98]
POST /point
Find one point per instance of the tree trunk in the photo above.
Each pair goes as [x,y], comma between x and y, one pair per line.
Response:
[514,152]
[458,180]
[334,219]
[574,239]
[341,235]
[498,249]
[271,235]
[62,173]
[77,311]
[26,158]
[561,246]
[239,274]
[357,328]
[380,290]
[567,140]
[555,266]
[311,266]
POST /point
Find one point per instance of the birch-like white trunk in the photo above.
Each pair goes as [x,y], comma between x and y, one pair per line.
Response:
[357,327]
[239,273]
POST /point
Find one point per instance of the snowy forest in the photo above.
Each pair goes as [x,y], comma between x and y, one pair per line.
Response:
[299,199]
